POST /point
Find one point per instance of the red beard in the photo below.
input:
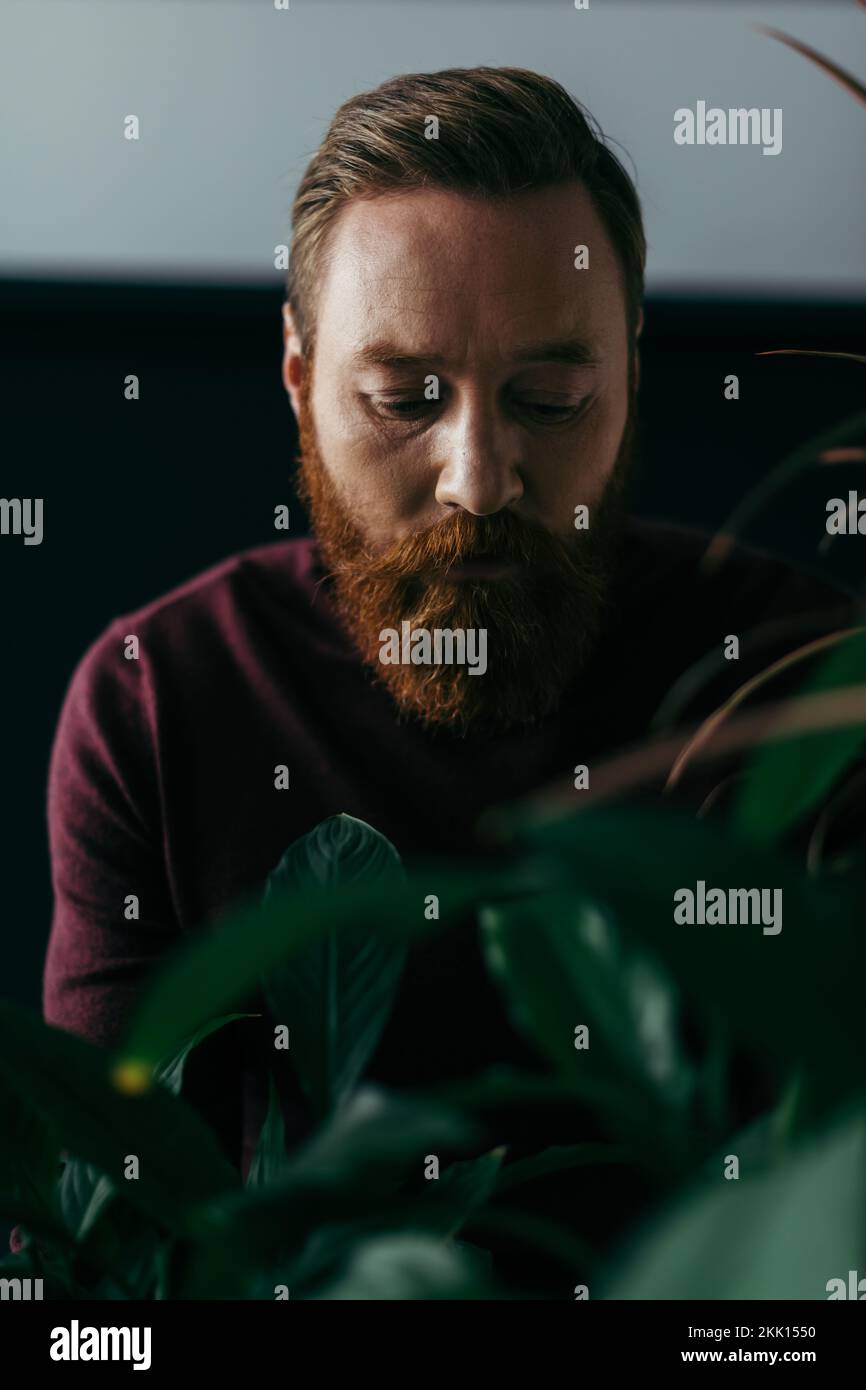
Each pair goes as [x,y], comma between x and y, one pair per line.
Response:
[542,620]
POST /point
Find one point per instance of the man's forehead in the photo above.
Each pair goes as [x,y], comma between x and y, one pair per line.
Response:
[397,261]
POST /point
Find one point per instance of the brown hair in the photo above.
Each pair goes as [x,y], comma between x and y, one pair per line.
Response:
[502,131]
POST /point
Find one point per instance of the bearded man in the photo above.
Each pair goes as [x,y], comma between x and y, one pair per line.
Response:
[461,352]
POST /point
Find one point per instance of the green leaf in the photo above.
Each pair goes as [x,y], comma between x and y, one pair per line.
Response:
[140,1263]
[217,968]
[122,1243]
[107,1228]
[83,1188]
[335,996]
[18,1264]
[781,1234]
[464,1186]
[504,1086]
[444,1206]
[560,1158]
[815,1016]
[29,1163]
[340,849]
[536,1233]
[788,777]
[561,966]
[179,1159]
[170,1071]
[539,953]
[85,1192]
[270,1160]
[353,1167]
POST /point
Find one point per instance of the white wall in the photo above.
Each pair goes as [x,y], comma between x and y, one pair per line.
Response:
[233,96]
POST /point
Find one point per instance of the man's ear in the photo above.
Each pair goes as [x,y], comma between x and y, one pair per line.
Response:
[293,359]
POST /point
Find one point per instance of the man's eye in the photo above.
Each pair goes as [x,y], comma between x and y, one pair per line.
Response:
[401,408]
[415,407]
[546,411]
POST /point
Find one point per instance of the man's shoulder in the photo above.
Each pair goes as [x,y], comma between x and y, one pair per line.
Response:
[223,613]
[279,575]
[283,571]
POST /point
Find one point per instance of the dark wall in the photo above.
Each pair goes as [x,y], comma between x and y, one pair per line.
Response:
[141,495]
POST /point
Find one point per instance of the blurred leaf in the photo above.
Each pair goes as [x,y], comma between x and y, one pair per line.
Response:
[443,1208]
[688,686]
[560,965]
[707,731]
[851,84]
[79,1184]
[410,1266]
[107,1229]
[335,996]
[653,1004]
[464,1186]
[270,1160]
[810,352]
[801,458]
[170,1071]
[180,1161]
[35,1262]
[354,1166]
[781,1234]
[554,979]
[370,1143]
[817,1019]
[534,1232]
[501,1087]
[29,1163]
[124,1244]
[840,820]
[560,1158]
[713,1085]
[221,966]
[788,777]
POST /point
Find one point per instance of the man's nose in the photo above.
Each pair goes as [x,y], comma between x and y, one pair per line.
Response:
[480,452]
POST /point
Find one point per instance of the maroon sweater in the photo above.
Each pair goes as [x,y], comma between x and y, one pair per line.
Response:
[162,780]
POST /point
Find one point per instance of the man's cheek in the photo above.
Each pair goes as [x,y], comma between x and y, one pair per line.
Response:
[597,451]
[395,473]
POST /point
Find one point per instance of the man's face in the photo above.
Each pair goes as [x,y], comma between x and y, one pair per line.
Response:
[470,391]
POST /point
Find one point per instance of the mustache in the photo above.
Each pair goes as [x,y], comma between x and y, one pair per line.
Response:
[430,553]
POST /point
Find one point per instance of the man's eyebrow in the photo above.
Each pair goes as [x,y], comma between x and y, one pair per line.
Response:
[574,351]
[571,351]
[388,355]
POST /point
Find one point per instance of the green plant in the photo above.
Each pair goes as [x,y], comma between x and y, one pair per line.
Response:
[569,940]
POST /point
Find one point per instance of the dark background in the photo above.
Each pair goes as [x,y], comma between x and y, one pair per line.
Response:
[140,495]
